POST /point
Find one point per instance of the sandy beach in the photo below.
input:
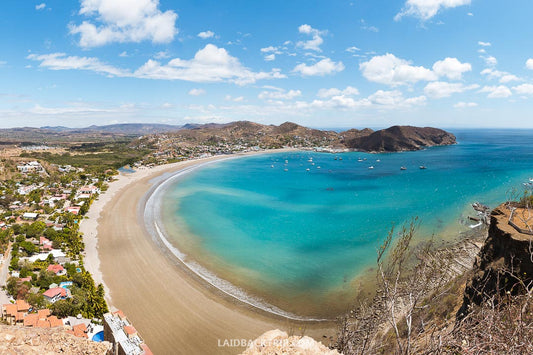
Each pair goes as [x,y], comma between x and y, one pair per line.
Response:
[173,311]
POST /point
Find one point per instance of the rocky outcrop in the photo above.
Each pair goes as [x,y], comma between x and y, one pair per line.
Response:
[504,262]
[400,138]
[39,341]
[278,342]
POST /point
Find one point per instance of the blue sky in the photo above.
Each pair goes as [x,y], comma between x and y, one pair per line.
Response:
[358,63]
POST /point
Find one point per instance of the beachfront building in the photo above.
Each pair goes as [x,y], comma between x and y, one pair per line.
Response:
[119,331]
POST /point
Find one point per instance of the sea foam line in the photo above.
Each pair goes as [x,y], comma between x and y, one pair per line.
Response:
[152,211]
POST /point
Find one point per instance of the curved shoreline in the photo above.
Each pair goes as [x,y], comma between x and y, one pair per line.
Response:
[167,304]
[152,215]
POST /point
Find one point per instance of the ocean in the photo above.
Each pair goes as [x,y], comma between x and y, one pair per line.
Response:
[300,230]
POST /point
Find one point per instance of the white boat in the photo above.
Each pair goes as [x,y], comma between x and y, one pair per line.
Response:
[378,160]
[271,166]
[286,162]
[371,167]
[422,167]
[285,169]
[318,167]
[403,168]
[359,159]
[307,169]
[310,160]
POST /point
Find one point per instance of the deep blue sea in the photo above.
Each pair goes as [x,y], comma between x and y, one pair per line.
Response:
[298,232]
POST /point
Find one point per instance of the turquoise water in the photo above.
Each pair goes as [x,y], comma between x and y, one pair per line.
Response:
[288,234]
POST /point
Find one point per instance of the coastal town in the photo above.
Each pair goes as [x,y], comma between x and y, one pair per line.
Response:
[44,283]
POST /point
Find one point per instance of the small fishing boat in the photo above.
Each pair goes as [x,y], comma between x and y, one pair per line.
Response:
[272,166]
[371,167]
[422,167]
[378,160]
[403,168]
[359,159]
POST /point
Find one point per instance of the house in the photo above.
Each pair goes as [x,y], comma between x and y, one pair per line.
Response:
[30,216]
[31,167]
[73,209]
[45,243]
[15,313]
[24,190]
[55,294]
[57,269]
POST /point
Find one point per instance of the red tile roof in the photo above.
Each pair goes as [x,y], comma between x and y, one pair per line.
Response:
[130,330]
[80,330]
[55,268]
[11,309]
[55,322]
[22,306]
[43,313]
[31,320]
[120,314]
[51,293]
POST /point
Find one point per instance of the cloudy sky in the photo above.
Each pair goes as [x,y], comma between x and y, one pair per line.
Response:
[322,63]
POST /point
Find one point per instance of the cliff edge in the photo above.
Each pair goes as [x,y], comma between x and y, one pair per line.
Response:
[504,264]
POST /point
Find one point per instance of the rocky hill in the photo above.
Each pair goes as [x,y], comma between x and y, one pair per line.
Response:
[244,133]
[400,138]
[40,341]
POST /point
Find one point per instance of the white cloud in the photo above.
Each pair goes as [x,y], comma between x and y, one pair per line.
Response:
[270,57]
[484,44]
[234,99]
[41,6]
[270,49]
[279,95]
[394,98]
[465,104]
[490,61]
[196,92]
[161,55]
[352,49]
[348,91]
[210,64]
[504,77]
[321,68]
[451,68]
[315,42]
[529,64]
[440,89]
[124,21]
[497,92]
[390,70]
[524,89]
[123,54]
[206,34]
[482,51]
[60,61]
[426,9]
